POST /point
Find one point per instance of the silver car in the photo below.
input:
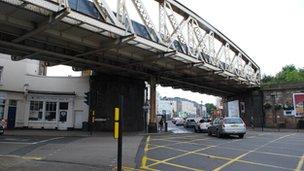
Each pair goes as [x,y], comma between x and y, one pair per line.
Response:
[227,126]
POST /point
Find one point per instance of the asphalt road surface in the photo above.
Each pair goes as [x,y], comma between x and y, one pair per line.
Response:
[198,151]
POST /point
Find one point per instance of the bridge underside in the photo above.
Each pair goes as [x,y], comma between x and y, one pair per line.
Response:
[50,39]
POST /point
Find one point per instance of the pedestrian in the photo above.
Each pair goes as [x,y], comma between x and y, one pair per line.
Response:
[252,122]
[161,124]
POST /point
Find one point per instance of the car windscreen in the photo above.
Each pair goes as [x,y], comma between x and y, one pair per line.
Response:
[191,120]
[233,121]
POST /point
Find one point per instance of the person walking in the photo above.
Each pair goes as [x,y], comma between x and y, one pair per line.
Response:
[161,124]
[252,122]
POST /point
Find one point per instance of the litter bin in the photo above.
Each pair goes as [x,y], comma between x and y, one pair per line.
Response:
[85,126]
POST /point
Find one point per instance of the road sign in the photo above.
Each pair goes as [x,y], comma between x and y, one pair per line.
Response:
[100,119]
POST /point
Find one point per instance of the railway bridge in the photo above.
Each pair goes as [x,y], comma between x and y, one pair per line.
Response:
[125,43]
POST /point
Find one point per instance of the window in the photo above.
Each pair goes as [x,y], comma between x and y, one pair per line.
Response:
[1,71]
[63,107]
[233,121]
[36,108]
[50,111]
[12,103]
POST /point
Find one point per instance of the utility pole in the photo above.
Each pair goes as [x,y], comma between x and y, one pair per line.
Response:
[117,133]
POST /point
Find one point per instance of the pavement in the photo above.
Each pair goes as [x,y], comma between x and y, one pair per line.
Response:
[36,150]
[258,151]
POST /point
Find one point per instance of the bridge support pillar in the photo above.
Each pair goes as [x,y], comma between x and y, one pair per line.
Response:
[152,127]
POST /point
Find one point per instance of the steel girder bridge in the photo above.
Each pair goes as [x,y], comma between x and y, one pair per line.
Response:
[182,50]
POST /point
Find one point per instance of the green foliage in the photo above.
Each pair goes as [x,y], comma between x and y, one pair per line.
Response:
[210,108]
[288,74]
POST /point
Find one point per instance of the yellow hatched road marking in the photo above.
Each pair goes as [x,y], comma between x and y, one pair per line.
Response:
[300,164]
[144,158]
[229,159]
[190,152]
[179,137]
[261,152]
[178,142]
[175,165]
[242,155]
[178,156]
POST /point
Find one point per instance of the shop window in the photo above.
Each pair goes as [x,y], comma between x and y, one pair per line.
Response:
[50,111]
[63,107]
[36,109]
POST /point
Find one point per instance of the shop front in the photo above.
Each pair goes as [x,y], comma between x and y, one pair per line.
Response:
[50,111]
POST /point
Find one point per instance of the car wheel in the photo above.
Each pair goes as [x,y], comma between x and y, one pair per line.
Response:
[195,130]
[241,135]
[209,132]
[218,134]
[199,130]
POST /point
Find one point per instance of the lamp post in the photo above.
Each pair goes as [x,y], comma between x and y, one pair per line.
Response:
[202,108]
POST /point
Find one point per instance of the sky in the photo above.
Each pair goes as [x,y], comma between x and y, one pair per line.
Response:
[271,32]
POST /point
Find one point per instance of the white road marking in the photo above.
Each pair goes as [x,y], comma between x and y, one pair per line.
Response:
[28,143]
[51,139]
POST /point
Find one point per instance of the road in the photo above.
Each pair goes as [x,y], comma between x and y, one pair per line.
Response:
[198,151]
[166,151]
[178,129]
[61,153]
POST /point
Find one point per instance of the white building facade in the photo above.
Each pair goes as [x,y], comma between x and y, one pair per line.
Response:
[188,107]
[29,100]
[166,106]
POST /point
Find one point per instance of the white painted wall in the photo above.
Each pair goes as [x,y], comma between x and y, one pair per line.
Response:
[20,76]
[13,76]
[166,105]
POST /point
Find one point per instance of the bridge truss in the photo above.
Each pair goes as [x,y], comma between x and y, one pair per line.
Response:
[183,50]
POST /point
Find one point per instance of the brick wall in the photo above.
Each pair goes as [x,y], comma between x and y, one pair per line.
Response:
[280,95]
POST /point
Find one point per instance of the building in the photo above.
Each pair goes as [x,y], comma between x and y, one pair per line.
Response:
[180,107]
[166,106]
[29,99]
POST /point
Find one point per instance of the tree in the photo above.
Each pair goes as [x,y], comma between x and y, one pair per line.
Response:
[288,74]
[210,108]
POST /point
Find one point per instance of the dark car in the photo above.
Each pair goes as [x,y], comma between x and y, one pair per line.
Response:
[227,126]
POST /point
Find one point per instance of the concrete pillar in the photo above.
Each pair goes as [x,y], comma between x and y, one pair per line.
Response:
[152,127]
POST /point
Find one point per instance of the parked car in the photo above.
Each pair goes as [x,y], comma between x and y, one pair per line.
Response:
[179,122]
[190,123]
[202,125]
[174,120]
[227,126]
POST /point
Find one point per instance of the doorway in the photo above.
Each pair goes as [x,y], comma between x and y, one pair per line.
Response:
[11,117]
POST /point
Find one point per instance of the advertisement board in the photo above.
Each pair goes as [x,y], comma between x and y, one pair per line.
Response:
[233,109]
[298,100]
